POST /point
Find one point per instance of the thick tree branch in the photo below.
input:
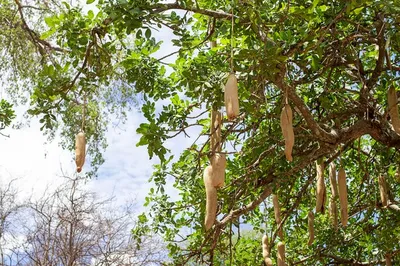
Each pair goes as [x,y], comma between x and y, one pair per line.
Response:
[378,131]
[380,29]
[343,261]
[158,8]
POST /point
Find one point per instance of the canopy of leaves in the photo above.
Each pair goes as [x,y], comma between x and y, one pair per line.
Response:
[334,60]
[6,114]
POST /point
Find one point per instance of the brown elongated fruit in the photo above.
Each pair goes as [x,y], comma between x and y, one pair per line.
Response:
[388,260]
[265,245]
[393,109]
[231,97]
[287,130]
[211,198]
[311,235]
[265,250]
[383,190]
[268,261]
[332,179]
[333,212]
[343,196]
[281,254]
[325,200]
[80,151]
[321,192]
[218,163]
[397,174]
[277,213]
[213,44]
[215,131]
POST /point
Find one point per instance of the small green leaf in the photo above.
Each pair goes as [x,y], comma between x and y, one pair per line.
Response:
[148,33]
[49,21]
[90,14]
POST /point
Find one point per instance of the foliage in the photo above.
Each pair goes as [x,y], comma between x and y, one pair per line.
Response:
[334,60]
[7,114]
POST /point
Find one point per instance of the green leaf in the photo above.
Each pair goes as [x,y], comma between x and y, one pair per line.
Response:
[148,33]
[90,14]
[49,21]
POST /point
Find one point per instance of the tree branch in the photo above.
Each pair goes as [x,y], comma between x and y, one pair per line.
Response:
[247,208]
[378,131]
[380,29]
[345,261]
[39,43]
[158,8]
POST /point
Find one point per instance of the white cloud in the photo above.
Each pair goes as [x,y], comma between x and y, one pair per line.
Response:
[24,155]
[127,168]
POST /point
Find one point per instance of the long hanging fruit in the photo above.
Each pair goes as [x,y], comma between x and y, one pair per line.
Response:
[287,130]
[231,97]
[211,197]
[218,163]
[393,109]
[333,212]
[265,251]
[343,196]
[383,190]
[332,179]
[311,235]
[388,259]
[321,190]
[281,254]
[215,131]
[80,151]
[231,87]
[214,174]
[218,160]
[277,213]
